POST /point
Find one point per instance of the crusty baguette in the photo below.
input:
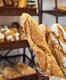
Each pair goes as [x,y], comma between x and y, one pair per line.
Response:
[60,34]
[54,44]
[57,53]
[24,69]
[40,47]
[62,40]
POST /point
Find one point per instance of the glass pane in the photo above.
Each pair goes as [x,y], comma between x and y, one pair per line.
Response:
[46,19]
[62,21]
[48,4]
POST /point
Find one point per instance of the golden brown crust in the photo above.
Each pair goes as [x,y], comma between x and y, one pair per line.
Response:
[41,48]
[24,69]
[1,3]
[9,72]
[57,53]
[2,77]
[11,34]
[16,71]
[56,48]
[62,8]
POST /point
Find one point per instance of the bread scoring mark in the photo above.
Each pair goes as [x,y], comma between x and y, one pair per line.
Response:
[54,29]
[63,46]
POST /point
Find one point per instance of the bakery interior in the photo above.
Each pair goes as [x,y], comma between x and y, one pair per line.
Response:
[32,40]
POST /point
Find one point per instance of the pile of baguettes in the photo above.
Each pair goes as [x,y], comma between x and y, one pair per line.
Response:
[48,44]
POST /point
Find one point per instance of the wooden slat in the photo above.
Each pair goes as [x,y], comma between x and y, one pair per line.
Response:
[55,12]
[5,11]
[13,45]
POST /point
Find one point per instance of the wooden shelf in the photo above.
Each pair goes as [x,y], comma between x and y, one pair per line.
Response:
[55,12]
[8,11]
[14,45]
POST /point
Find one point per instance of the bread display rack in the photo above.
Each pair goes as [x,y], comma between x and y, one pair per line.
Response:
[13,11]
[10,11]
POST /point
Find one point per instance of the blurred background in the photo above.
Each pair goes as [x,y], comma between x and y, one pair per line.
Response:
[47,19]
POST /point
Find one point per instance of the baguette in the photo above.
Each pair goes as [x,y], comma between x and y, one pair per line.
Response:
[39,45]
[54,44]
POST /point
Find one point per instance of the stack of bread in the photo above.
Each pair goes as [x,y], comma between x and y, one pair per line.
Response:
[19,3]
[48,44]
[57,43]
[61,5]
[62,8]
[1,3]
[8,3]
[16,71]
[11,34]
